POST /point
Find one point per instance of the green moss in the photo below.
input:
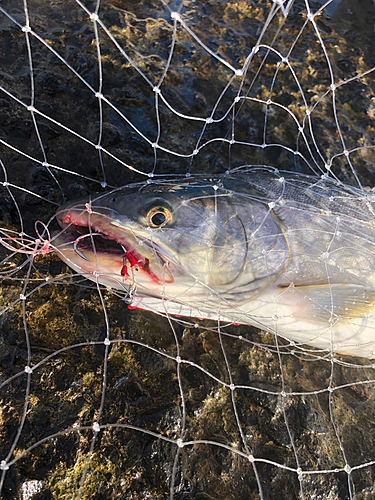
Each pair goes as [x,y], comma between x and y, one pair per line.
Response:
[89,379]
[102,475]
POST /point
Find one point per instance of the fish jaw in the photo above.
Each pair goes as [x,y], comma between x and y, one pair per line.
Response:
[105,268]
[107,248]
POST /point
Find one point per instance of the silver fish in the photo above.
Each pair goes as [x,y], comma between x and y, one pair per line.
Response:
[288,253]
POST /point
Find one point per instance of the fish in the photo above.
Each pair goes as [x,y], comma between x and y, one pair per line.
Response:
[289,253]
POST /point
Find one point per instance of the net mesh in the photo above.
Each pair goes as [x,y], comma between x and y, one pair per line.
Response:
[101,401]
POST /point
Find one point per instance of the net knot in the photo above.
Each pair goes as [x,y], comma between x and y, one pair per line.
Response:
[175,16]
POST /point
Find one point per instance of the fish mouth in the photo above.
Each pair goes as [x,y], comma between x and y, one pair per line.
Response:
[102,247]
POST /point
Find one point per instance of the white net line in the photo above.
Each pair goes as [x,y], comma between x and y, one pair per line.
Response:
[101,401]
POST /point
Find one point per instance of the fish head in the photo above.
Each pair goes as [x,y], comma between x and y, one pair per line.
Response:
[167,239]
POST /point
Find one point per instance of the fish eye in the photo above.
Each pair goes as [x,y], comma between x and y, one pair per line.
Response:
[159,216]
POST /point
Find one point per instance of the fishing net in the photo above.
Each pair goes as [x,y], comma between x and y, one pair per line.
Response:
[99,400]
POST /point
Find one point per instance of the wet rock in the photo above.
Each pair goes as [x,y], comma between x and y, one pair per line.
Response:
[50,83]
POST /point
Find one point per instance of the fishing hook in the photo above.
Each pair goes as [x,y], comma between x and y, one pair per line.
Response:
[76,241]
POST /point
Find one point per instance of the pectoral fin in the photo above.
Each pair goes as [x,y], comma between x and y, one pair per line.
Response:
[337,302]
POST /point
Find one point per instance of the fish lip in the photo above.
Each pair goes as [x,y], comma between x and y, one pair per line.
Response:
[71,232]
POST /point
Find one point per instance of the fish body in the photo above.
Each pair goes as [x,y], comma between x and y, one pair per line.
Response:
[288,253]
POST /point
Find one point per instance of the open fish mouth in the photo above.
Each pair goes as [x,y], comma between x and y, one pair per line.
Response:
[95,243]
